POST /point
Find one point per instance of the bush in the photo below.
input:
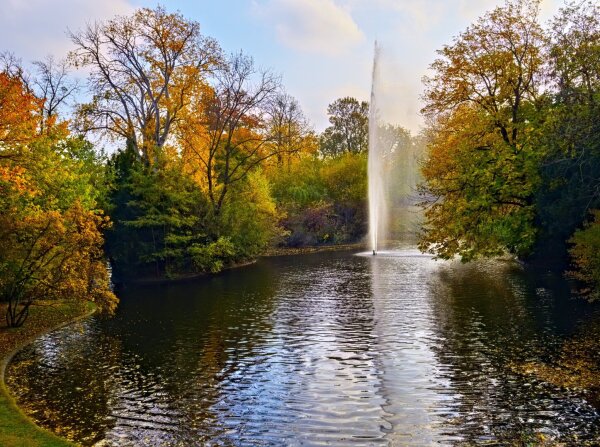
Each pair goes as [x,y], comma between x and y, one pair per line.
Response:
[585,254]
[250,218]
[213,256]
[324,200]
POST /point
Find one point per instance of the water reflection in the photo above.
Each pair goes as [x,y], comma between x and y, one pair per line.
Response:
[328,349]
[405,335]
[489,317]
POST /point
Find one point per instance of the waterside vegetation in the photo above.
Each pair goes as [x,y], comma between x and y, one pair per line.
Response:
[514,139]
[212,163]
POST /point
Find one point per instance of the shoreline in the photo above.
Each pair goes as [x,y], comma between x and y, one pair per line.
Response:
[293,251]
[269,253]
[16,427]
[181,278]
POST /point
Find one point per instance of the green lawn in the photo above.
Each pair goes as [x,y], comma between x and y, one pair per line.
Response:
[16,429]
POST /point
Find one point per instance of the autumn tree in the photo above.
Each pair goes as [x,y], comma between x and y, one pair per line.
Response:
[289,129]
[482,103]
[18,120]
[349,130]
[50,232]
[585,255]
[144,70]
[189,210]
[227,136]
[49,81]
[54,255]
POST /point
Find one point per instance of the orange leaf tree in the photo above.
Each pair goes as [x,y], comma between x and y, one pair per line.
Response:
[50,234]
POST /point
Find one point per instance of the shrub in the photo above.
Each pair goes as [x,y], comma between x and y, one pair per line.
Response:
[585,255]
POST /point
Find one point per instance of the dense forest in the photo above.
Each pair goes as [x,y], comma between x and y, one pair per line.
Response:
[209,161]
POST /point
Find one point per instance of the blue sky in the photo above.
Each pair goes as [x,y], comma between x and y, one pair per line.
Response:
[322,48]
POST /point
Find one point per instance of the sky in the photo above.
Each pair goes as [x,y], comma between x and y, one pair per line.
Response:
[323,49]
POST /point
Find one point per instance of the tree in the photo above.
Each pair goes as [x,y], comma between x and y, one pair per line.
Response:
[250,219]
[483,103]
[53,254]
[575,52]
[145,70]
[322,200]
[50,236]
[227,136]
[18,120]
[289,129]
[157,213]
[349,130]
[399,148]
[50,233]
[54,86]
[50,84]
[571,132]
[585,253]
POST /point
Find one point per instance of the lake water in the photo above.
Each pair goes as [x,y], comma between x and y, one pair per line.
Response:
[323,349]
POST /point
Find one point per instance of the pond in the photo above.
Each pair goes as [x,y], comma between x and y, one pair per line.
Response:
[321,349]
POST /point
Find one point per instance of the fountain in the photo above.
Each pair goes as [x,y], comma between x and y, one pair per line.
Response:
[377,202]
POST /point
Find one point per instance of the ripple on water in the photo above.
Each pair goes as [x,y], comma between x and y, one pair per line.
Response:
[328,349]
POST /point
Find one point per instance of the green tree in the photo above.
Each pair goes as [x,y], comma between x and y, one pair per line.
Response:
[482,171]
[323,200]
[158,212]
[571,133]
[250,219]
[50,227]
[349,130]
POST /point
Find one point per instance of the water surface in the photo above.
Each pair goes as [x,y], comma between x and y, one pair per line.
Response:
[324,349]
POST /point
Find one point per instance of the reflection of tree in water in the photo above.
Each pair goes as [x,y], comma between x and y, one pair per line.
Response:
[204,329]
[491,316]
[576,365]
[151,375]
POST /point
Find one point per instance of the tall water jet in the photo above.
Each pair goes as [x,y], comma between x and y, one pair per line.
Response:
[376,171]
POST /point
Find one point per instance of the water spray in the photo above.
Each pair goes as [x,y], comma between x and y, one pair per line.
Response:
[376,170]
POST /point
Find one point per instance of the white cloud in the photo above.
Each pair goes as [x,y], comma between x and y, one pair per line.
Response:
[315,26]
[471,10]
[33,29]
[417,15]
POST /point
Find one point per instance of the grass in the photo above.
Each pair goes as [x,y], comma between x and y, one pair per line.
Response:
[16,429]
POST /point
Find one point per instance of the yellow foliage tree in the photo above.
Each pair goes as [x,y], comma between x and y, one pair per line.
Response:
[481,172]
[49,247]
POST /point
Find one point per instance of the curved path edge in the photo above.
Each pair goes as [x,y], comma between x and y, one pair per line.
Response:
[4,391]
